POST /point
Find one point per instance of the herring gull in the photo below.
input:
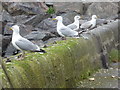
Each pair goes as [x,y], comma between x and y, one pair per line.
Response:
[75,24]
[63,30]
[89,24]
[23,44]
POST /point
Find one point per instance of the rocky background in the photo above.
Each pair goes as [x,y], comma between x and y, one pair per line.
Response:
[34,19]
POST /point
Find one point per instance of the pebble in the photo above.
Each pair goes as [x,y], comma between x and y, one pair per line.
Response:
[91,79]
[110,68]
[113,76]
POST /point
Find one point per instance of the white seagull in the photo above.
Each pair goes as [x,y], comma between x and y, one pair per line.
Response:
[63,30]
[75,24]
[23,44]
[89,24]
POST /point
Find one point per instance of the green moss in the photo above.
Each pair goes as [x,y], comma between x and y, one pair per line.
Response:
[3,79]
[51,10]
[64,64]
[114,55]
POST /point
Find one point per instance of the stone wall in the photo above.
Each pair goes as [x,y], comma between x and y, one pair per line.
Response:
[65,63]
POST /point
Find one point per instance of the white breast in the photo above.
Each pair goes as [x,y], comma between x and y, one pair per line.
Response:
[14,39]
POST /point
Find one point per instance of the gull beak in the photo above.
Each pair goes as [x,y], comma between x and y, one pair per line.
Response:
[54,19]
[10,28]
[81,17]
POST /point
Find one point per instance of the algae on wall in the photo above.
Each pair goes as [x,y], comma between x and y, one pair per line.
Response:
[3,78]
[64,64]
[114,55]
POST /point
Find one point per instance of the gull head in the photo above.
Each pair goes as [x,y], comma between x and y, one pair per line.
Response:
[58,18]
[94,17]
[77,17]
[15,28]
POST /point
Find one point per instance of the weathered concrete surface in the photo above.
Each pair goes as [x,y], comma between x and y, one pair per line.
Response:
[104,78]
[65,63]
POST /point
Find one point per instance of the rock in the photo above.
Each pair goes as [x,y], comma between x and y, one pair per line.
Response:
[1,27]
[66,21]
[115,17]
[6,16]
[10,50]
[103,9]
[43,6]
[24,29]
[35,35]
[1,6]
[21,18]
[47,24]
[68,6]
[36,19]
[86,5]
[5,42]
[28,8]
[6,30]
[48,36]
[70,15]
[101,21]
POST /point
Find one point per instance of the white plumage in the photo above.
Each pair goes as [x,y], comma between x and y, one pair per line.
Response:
[63,30]
[89,24]
[21,43]
[75,24]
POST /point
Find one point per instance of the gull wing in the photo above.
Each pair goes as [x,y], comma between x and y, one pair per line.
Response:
[25,44]
[72,26]
[86,25]
[68,32]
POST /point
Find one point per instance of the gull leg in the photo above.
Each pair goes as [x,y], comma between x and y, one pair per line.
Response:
[21,56]
[63,38]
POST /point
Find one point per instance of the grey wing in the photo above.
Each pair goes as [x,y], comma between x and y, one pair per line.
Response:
[72,26]
[86,25]
[68,32]
[25,44]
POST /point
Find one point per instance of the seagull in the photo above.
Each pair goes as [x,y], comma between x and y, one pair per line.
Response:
[23,44]
[89,24]
[75,24]
[63,30]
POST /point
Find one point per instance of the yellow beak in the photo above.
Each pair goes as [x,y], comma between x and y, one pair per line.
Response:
[10,28]
[54,19]
[81,17]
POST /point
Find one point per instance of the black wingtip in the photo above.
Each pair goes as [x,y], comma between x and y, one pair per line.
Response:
[43,51]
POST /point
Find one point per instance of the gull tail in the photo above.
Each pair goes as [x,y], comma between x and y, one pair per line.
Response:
[80,32]
[41,51]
